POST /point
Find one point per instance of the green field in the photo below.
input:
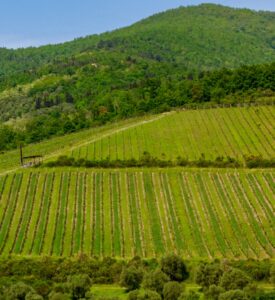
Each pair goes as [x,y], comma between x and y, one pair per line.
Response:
[233,132]
[216,132]
[210,213]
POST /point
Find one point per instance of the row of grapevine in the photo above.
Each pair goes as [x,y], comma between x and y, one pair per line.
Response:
[149,213]
[233,132]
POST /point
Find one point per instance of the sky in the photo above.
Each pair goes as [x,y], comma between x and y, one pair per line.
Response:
[26,23]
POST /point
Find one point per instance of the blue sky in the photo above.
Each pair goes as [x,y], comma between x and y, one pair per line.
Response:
[37,22]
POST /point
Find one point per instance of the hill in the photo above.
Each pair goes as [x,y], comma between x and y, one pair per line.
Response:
[204,36]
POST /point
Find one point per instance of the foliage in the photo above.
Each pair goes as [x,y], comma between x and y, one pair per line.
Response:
[79,285]
[145,161]
[214,292]
[233,295]
[155,281]
[209,274]
[234,279]
[172,290]
[131,278]
[174,267]
[18,291]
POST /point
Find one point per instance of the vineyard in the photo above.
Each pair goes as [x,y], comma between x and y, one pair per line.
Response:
[58,145]
[194,213]
[232,132]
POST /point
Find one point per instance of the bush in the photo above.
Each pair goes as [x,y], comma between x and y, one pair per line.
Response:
[233,295]
[18,291]
[258,270]
[174,267]
[172,290]
[234,279]
[214,292]
[131,278]
[33,296]
[155,281]
[209,274]
[79,285]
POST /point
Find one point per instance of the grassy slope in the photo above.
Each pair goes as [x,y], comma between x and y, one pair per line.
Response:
[210,213]
[233,132]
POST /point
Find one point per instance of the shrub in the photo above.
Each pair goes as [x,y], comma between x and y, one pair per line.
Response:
[131,278]
[258,270]
[209,274]
[155,281]
[18,291]
[172,290]
[234,279]
[214,292]
[79,285]
[174,267]
[33,296]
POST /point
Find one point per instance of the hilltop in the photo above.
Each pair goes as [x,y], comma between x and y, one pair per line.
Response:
[204,36]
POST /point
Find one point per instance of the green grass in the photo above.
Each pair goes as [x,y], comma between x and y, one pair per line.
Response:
[197,213]
[108,291]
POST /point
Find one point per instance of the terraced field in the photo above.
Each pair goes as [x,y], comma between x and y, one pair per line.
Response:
[233,132]
[150,212]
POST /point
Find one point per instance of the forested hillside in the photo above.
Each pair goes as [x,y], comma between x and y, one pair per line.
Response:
[199,36]
[183,56]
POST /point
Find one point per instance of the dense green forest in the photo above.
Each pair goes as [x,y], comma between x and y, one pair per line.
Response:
[168,278]
[57,106]
[171,59]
